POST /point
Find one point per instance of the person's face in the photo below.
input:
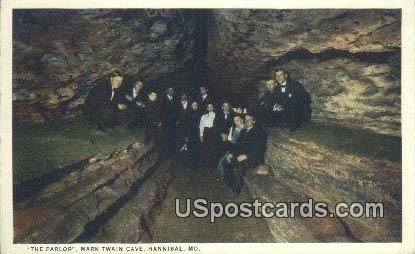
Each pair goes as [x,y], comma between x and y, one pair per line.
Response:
[203,90]
[138,86]
[210,108]
[238,121]
[270,84]
[249,121]
[152,96]
[183,98]
[238,110]
[116,81]
[194,105]
[226,107]
[170,91]
[280,77]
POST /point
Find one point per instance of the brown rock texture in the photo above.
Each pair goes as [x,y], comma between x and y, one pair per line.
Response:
[72,208]
[329,168]
[348,60]
[59,54]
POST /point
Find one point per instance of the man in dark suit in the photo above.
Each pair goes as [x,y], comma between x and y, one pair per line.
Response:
[248,152]
[169,121]
[267,103]
[183,124]
[106,105]
[291,102]
[204,99]
[137,100]
[152,120]
[223,122]
[193,135]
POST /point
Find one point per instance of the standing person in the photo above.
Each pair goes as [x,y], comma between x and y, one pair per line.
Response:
[169,121]
[137,98]
[193,134]
[248,153]
[231,141]
[208,138]
[106,105]
[183,124]
[204,99]
[268,101]
[223,123]
[152,122]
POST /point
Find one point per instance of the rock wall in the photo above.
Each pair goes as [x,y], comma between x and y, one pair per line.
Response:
[333,164]
[58,54]
[89,200]
[348,60]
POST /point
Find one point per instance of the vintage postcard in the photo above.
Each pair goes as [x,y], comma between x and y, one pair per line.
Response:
[220,127]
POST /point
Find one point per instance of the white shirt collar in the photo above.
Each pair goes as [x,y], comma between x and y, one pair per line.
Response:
[170,97]
[204,96]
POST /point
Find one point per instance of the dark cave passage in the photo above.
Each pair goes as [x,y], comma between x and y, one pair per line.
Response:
[89,185]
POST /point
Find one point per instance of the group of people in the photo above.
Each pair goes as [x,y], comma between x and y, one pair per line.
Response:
[230,140]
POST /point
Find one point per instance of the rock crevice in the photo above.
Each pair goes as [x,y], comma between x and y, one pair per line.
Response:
[74,208]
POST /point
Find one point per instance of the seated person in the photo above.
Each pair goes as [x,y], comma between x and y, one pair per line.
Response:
[137,100]
[247,153]
[231,139]
[106,105]
[290,103]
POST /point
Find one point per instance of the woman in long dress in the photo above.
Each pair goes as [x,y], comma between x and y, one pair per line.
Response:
[208,138]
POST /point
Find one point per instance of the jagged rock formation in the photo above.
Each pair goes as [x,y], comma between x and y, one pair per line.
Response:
[78,205]
[348,60]
[58,54]
[328,167]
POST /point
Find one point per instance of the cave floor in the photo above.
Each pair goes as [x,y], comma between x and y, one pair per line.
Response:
[204,183]
[40,148]
[37,149]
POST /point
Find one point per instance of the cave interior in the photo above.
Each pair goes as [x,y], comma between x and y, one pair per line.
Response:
[348,61]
